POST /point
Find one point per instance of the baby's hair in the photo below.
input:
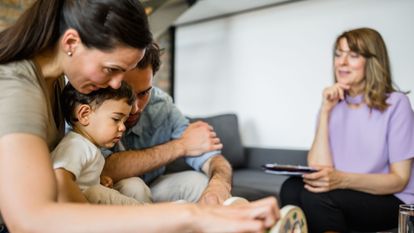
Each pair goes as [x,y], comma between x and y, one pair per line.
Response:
[71,98]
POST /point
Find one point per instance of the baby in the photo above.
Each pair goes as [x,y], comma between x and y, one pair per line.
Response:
[97,121]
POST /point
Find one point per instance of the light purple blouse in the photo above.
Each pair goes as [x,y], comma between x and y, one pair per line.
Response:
[367,141]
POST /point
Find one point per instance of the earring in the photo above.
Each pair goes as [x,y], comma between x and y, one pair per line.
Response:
[69,54]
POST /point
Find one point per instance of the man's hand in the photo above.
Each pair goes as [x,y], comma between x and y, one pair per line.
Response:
[198,138]
[107,181]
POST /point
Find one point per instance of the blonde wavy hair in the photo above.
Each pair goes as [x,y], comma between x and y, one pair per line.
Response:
[369,43]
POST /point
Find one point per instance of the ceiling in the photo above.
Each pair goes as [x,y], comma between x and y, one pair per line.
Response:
[207,9]
[165,13]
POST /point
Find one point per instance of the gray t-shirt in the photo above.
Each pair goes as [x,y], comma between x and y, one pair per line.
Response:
[26,105]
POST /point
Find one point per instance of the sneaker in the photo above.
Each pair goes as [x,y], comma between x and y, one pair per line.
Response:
[181,201]
[292,219]
[235,201]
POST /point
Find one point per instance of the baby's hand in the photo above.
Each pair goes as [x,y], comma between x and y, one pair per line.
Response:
[106,181]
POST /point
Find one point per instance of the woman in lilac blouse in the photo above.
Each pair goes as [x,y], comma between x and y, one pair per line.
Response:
[363,147]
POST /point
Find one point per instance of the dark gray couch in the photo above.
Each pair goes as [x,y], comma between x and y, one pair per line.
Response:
[249,180]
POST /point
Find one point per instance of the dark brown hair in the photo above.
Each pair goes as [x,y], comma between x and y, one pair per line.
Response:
[151,58]
[71,98]
[101,24]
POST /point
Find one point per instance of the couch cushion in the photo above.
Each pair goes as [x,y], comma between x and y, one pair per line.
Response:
[254,184]
[227,129]
[256,157]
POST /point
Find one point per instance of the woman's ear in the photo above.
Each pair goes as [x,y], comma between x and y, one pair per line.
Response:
[70,41]
[83,112]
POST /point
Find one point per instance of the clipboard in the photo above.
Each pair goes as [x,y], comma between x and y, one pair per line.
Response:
[286,169]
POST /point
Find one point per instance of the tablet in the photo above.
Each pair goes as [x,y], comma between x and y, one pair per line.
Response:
[289,170]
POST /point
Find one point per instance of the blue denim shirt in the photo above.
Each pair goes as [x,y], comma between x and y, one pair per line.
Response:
[160,122]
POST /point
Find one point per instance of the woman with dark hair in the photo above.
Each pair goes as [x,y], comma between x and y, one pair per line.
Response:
[93,43]
[363,145]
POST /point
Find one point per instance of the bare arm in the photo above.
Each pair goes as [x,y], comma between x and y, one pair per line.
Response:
[329,179]
[198,138]
[393,182]
[28,201]
[68,190]
[320,152]
[219,171]
[131,163]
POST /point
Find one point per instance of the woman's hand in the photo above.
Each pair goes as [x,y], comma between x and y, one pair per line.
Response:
[324,180]
[332,95]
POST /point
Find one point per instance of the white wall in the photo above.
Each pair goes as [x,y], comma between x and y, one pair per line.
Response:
[270,66]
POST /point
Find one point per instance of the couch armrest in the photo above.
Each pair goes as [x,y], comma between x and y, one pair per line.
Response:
[256,157]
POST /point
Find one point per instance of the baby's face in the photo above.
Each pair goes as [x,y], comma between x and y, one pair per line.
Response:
[106,122]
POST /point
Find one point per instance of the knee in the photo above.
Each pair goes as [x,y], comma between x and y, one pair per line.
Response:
[198,180]
[188,185]
[291,190]
[130,184]
[313,202]
[134,187]
[195,186]
[95,194]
